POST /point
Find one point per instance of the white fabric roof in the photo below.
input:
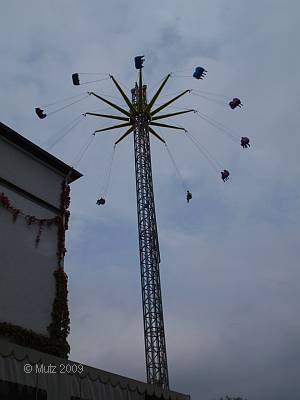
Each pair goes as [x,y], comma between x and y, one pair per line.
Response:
[91,384]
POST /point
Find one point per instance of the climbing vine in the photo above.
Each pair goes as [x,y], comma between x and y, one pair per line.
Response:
[59,328]
[64,221]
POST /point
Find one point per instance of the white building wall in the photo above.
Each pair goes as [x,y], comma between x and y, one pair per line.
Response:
[30,174]
[27,284]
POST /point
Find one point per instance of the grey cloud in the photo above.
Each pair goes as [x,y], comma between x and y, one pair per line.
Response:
[229,267]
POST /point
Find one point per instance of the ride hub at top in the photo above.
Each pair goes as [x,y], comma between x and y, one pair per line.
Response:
[142,118]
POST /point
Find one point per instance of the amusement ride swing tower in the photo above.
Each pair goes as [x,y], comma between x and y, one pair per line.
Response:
[140,118]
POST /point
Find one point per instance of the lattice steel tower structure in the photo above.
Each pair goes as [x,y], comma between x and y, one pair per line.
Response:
[140,118]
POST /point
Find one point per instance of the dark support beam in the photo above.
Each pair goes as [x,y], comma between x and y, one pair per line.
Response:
[108,116]
[112,127]
[124,136]
[128,102]
[149,106]
[111,104]
[171,115]
[140,97]
[169,102]
[156,135]
[167,126]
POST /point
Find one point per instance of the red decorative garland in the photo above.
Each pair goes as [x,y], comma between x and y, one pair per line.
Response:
[30,219]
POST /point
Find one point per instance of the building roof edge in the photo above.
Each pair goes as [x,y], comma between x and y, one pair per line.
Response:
[19,140]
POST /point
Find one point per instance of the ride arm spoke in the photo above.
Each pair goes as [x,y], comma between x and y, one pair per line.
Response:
[108,116]
[156,135]
[171,115]
[149,106]
[111,104]
[169,102]
[128,102]
[123,136]
[113,127]
[167,126]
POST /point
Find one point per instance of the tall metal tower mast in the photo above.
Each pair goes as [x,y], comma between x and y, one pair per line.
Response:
[155,342]
[140,119]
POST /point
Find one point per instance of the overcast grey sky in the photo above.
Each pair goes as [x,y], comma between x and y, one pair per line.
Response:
[230,259]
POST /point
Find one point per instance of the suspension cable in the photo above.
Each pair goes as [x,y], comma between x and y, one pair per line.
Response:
[217,125]
[62,133]
[107,95]
[97,80]
[83,150]
[68,105]
[101,109]
[218,122]
[210,93]
[181,70]
[205,149]
[93,73]
[210,160]
[183,76]
[63,100]
[213,163]
[107,176]
[222,103]
[176,168]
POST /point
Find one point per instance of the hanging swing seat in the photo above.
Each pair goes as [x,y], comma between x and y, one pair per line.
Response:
[40,113]
[225,175]
[199,73]
[235,103]
[245,142]
[75,79]
[138,62]
[100,202]
[188,196]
